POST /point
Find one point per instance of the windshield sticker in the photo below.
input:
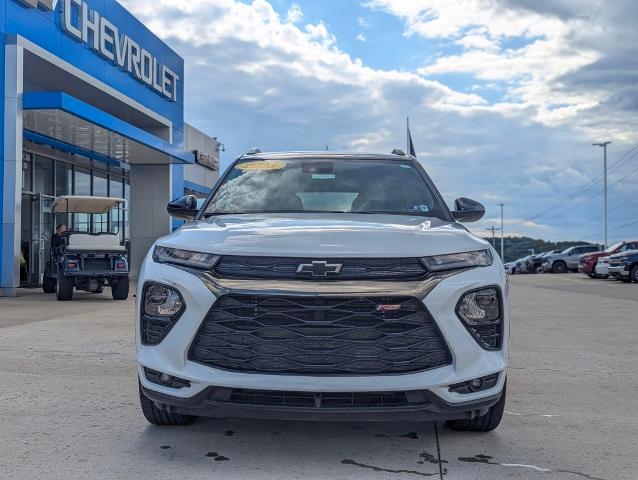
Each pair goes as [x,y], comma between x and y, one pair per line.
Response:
[264,165]
[405,166]
[323,176]
[417,208]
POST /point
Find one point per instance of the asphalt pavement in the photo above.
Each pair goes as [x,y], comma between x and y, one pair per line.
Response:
[70,408]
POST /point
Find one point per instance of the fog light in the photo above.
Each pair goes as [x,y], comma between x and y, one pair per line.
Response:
[475,385]
[164,379]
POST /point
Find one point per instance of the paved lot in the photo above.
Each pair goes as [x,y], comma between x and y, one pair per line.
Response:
[70,410]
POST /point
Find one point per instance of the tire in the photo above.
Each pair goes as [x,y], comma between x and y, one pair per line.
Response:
[559,267]
[156,416]
[64,290]
[119,290]
[484,423]
[633,275]
[49,284]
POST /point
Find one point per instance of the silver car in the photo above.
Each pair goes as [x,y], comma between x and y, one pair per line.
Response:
[567,260]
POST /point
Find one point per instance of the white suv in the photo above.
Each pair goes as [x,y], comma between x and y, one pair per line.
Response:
[323,286]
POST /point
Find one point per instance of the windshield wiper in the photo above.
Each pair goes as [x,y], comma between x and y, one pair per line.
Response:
[391,212]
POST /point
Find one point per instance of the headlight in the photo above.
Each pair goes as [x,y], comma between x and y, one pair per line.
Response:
[478,258]
[161,308]
[186,258]
[480,311]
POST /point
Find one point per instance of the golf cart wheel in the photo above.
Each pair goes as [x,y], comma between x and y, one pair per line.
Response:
[49,284]
[559,267]
[119,289]
[64,289]
[484,423]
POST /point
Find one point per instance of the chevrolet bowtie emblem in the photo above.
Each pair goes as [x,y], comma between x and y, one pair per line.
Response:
[48,4]
[319,268]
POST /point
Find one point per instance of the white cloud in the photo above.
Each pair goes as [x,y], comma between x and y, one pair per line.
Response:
[294,14]
[361,37]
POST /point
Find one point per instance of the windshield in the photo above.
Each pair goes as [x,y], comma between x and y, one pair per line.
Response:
[616,246]
[307,185]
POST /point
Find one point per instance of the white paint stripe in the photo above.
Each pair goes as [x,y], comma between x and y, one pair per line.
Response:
[531,414]
[533,467]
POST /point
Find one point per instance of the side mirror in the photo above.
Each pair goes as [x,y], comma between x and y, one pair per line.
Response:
[467,210]
[183,207]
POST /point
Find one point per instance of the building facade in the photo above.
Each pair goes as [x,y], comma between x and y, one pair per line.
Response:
[93,104]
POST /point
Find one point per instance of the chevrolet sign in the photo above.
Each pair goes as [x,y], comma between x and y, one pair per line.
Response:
[87,26]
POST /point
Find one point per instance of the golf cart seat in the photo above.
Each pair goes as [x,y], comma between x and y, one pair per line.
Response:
[104,242]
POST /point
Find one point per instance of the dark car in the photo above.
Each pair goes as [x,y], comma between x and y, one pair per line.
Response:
[624,266]
[587,261]
[535,262]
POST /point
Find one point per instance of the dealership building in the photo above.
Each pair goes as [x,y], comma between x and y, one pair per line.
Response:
[93,104]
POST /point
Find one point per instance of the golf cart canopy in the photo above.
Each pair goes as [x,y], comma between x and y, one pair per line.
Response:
[76,204]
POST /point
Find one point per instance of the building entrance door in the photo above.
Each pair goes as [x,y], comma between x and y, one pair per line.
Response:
[37,228]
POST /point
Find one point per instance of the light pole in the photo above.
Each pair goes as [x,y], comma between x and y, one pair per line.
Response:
[604,145]
[502,248]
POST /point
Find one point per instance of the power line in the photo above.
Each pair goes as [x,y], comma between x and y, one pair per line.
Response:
[598,194]
[624,158]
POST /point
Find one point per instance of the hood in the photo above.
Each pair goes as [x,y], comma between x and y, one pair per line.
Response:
[627,253]
[324,235]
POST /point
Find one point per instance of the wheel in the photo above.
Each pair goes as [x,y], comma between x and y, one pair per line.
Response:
[64,289]
[484,423]
[633,275]
[161,417]
[119,290]
[559,267]
[49,284]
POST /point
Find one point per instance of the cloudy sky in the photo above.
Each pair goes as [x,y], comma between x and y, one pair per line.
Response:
[505,97]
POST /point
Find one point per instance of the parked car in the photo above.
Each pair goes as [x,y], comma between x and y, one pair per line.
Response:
[88,261]
[567,260]
[624,266]
[520,266]
[323,286]
[535,262]
[602,267]
[510,268]
[588,261]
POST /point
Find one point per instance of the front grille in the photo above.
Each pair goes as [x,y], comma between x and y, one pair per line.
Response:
[97,264]
[274,398]
[285,268]
[319,335]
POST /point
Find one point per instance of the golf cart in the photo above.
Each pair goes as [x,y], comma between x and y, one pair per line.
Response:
[88,261]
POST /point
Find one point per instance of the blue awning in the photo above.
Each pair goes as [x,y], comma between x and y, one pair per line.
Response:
[69,121]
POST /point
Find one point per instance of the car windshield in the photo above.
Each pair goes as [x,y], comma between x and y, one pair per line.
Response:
[319,185]
[615,246]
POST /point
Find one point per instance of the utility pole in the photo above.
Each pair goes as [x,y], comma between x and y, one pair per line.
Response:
[502,247]
[604,145]
[493,229]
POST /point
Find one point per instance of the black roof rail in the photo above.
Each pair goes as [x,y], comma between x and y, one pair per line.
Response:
[398,151]
[253,151]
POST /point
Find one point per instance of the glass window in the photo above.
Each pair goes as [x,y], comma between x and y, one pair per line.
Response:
[115,187]
[43,175]
[81,222]
[63,179]
[27,172]
[100,184]
[318,185]
[82,181]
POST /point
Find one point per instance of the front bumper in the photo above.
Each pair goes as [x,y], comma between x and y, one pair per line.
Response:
[215,402]
[619,271]
[470,361]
